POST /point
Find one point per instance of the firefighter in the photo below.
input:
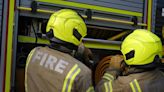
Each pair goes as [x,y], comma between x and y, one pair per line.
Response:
[137,70]
[54,68]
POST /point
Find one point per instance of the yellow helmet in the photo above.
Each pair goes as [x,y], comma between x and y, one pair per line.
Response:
[141,47]
[67,25]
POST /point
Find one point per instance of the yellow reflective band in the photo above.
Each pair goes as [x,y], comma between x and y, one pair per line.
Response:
[109,76]
[137,85]
[110,86]
[90,89]
[131,85]
[27,63]
[149,15]
[73,78]
[9,43]
[68,82]
[106,87]
[87,43]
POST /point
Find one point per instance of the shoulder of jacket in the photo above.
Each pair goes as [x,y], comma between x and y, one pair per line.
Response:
[44,48]
[37,48]
[85,70]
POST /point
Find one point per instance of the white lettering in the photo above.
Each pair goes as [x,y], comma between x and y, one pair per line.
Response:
[50,63]
[37,56]
[61,65]
[43,59]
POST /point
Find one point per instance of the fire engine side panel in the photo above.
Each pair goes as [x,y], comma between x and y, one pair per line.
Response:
[118,6]
[131,5]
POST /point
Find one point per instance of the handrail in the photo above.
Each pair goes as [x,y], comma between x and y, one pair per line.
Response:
[90,43]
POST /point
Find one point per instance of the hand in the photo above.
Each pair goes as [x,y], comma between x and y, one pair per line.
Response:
[88,54]
[85,55]
[85,52]
[88,57]
[116,62]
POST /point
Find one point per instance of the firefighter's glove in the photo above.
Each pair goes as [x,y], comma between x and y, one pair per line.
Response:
[88,54]
[84,55]
[88,58]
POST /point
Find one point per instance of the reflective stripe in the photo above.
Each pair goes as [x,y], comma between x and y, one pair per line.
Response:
[108,76]
[27,63]
[8,41]
[149,15]
[138,86]
[90,89]
[135,86]
[132,87]
[108,86]
[68,82]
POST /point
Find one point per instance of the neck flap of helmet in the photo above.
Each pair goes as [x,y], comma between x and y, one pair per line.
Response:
[61,47]
[55,41]
[142,68]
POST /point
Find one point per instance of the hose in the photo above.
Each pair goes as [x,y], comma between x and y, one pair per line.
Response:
[100,69]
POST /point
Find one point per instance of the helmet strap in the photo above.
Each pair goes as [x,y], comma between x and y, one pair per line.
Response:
[77,34]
